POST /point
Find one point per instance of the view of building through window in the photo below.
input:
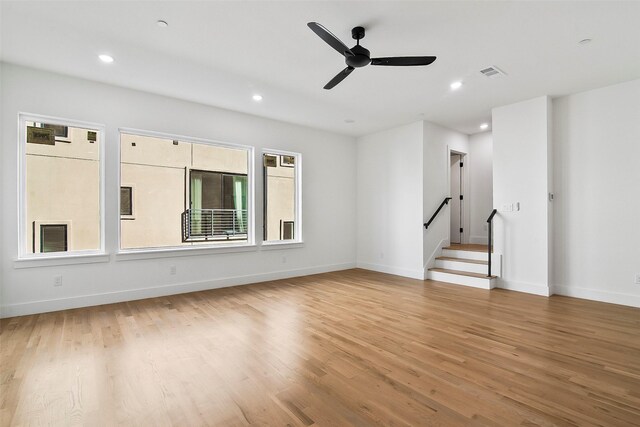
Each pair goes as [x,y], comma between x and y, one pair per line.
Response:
[173,193]
[280,196]
[62,188]
[180,193]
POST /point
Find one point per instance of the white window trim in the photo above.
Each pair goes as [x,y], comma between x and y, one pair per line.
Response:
[298,241]
[23,254]
[53,260]
[171,251]
[178,251]
[281,244]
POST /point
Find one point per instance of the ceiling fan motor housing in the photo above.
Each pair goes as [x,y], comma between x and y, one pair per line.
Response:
[360,57]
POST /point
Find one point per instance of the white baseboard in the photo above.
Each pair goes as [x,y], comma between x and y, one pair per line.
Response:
[404,272]
[598,295]
[529,288]
[478,240]
[45,306]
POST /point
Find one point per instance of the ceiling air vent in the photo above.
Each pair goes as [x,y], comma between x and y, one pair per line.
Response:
[492,72]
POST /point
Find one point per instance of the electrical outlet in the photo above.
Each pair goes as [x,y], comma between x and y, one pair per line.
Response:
[57,281]
[172,270]
[638,279]
[284,259]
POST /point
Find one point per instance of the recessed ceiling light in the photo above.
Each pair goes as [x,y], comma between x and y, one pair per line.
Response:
[456,85]
[349,121]
[107,59]
[584,41]
[257,97]
[162,24]
[484,126]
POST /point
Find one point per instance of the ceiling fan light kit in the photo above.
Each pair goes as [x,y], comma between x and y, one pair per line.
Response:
[358,56]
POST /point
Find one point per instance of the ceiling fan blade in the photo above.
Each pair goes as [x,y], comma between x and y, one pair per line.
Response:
[330,39]
[404,61]
[339,77]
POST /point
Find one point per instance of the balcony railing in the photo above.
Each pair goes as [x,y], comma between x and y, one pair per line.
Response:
[214,224]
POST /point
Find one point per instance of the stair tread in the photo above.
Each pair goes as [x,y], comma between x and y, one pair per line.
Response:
[462,273]
[470,261]
[468,247]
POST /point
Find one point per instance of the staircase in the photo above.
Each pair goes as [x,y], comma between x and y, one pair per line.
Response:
[465,265]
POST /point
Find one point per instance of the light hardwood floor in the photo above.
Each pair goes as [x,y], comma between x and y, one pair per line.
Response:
[345,348]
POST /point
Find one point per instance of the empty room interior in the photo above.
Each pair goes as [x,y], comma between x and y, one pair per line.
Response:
[331,213]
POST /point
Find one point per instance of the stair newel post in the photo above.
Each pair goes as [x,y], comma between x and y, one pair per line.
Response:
[490,239]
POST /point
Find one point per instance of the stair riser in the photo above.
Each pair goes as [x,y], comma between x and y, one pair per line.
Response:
[461,266]
[454,253]
[474,282]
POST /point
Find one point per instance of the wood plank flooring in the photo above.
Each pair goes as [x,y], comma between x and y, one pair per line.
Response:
[345,348]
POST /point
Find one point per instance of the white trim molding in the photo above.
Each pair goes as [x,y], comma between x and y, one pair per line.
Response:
[76,258]
[598,295]
[45,306]
[529,288]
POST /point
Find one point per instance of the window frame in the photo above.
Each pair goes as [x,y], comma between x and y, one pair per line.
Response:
[23,253]
[297,226]
[222,246]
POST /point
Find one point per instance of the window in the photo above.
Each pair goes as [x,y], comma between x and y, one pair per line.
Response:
[53,238]
[282,210]
[126,201]
[60,186]
[59,131]
[219,205]
[187,192]
[287,230]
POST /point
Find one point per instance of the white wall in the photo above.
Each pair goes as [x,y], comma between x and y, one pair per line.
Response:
[329,194]
[521,147]
[438,142]
[390,201]
[597,196]
[3,179]
[481,182]
[403,176]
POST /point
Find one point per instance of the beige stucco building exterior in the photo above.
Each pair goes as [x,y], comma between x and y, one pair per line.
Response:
[280,195]
[63,188]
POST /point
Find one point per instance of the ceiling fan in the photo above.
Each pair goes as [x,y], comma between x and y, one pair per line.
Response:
[358,56]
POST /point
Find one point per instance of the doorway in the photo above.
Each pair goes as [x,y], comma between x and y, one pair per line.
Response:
[457,198]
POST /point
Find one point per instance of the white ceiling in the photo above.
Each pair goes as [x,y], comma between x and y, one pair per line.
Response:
[221,53]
